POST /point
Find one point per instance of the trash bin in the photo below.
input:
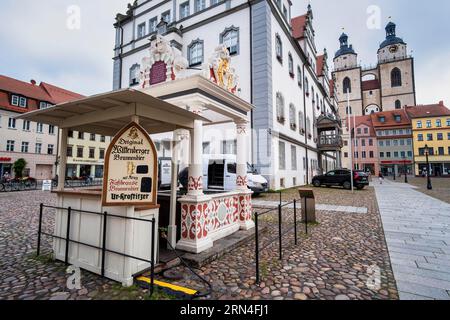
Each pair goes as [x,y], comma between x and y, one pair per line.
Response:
[308,203]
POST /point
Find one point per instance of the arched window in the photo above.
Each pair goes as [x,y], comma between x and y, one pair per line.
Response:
[347,85]
[306,86]
[398,104]
[313,97]
[134,74]
[230,38]
[280,108]
[279,48]
[396,77]
[317,100]
[291,65]
[308,128]
[301,122]
[292,115]
[195,53]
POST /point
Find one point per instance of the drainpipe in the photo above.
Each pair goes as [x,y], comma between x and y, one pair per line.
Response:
[306,133]
[251,78]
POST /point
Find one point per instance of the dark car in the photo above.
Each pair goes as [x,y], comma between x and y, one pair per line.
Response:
[342,178]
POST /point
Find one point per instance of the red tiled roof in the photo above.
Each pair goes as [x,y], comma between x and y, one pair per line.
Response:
[361,121]
[390,119]
[370,85]
[320,64]
[299,26]
[34,93]
[432,110]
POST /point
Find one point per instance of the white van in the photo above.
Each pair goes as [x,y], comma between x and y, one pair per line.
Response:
[219,173]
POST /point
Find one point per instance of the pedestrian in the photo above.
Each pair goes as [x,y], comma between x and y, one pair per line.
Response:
[381,177]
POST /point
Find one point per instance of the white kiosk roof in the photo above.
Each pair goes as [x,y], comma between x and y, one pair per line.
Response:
[107,113]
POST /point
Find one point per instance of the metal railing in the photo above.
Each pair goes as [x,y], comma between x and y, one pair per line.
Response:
[281,234]
[330,141]
[103,248]
[30,185]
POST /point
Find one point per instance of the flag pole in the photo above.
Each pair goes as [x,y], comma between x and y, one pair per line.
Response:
[350,112]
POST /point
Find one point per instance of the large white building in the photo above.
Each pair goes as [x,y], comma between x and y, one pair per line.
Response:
[296,128]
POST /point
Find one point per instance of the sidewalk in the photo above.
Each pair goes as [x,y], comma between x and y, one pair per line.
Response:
[417,229]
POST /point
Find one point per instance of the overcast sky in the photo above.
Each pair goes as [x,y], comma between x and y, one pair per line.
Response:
[36,42]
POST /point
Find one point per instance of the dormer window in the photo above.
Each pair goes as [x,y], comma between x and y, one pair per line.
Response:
[398,118]
[15,100]
[382,119]
[23,102]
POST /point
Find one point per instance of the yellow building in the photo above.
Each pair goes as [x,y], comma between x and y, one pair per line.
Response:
[86,154]
[431,127]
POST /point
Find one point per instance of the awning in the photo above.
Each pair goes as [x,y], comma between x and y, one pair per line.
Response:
[107,113]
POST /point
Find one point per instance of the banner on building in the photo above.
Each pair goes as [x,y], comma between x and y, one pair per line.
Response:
[131,169]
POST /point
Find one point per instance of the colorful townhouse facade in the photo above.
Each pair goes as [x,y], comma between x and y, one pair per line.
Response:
[431,128]
[364,148]
[35,142]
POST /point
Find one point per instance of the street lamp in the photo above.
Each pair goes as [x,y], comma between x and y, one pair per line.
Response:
[427,152]
[405,169]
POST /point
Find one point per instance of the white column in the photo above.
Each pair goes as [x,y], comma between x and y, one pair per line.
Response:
[172,230]
[63,159]
[195,184]
[241,157]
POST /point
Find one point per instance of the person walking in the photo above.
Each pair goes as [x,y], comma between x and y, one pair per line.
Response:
[381,177]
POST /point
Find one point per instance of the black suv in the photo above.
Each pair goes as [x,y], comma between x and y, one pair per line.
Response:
[342,178]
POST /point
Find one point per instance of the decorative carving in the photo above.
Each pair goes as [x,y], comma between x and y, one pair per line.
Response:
[241,128]
[162,54]
[242,181]
[219,70]
[195,184]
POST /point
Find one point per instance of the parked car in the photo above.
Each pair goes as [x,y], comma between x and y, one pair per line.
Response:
[342,178]
[219,174]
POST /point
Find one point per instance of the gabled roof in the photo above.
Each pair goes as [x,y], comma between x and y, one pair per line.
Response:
[425,111]
[361,121]
[370,85]
[320,65]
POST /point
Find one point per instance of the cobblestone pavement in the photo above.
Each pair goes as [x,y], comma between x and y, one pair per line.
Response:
[417,230]
[23,276]
[332,262]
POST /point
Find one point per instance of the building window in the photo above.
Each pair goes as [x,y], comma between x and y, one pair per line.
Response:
[292,119]
[381,154]
[102,154]
[438,123]
[134,74]
[70,134]
[448,135]
[214,2]
[92,137]
[382,119]
[441,151]
[184,10]
[80,152]
[280,108]
[39,128]
[388,154]
[51,130]
[419,124]
[371,154]
[10,145]
[347,85]
[429,137]
[25,147]
[279,48]
[440,136]
[38,148]
[396,77]
[200,5]
[294,158]
[299,77]
[102,139]
[15,100]
[282,155]
[448,122]
[308,128]
[26,125]
[301,123]
[141,30]
[291,65]
[206,148]
[364,155]
[69,151]
[80,135]
[397,118]
[306,86]
[348,110]
[91,153]
[166,16]
[429,125]
[152,23]
[398,104]
[50,149]
[12,123]
[229,147]
[23,102]
[345,154]
[396,154]
[230,38]
[195,53]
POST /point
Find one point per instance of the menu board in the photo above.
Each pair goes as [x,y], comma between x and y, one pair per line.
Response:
[130,169]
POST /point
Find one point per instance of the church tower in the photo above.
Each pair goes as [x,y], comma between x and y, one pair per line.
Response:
[347,77]
[396,71]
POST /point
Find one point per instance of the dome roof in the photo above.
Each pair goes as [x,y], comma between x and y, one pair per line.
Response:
[345,48]
[391,38]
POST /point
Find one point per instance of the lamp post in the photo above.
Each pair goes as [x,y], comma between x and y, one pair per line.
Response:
[427,152]
[405,169]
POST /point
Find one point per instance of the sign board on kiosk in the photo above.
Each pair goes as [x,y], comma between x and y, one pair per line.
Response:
[131,169]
